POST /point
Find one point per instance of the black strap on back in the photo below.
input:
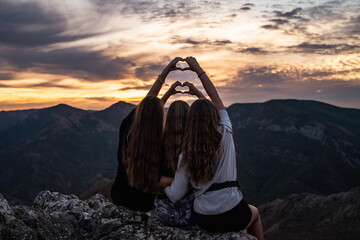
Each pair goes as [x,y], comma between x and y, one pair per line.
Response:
[218,186]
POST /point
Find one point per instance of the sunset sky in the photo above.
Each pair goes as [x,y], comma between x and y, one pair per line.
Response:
[92,53]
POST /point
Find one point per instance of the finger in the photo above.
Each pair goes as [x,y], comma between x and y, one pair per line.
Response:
[186,83]
[175,68]
[177,59]
[185,69]
[177,83]
[178,92]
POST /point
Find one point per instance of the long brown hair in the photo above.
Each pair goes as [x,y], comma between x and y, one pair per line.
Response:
[202,141]
[174,133]
[144,145]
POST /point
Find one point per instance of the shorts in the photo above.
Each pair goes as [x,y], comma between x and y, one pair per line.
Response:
[174,214]
[233,220]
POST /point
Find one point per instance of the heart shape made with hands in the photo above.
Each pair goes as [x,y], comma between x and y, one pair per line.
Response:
[181,88]
[182,64]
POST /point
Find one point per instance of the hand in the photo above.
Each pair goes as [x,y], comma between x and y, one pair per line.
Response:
[193,65]
[193,90]
[172,65]
[172,89]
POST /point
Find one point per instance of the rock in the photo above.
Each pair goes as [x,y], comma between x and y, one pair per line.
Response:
[103,186]
[58,216]
[311,216]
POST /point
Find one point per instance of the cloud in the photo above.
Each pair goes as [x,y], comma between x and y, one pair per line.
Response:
[7,76]
[145,87]
[77,62]
[279,21]
[101,99]
[44,84]
[199,42]
[148,71]
[352,26]
[261,75]
[262,83]
[221,42]
[269,26]
[324,48]
[253,50]
[28,24]
[150,11]
[49,84]
[291,14]
[29,29]
[249,4]
[245,9]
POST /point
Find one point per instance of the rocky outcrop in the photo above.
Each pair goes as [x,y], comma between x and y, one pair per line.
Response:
[103,187]
[58,216]
[311,216]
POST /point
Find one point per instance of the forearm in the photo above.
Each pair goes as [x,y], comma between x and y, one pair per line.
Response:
[200,95]
[179,187]
[165,97]
[210,89]
[155,89]
[165,181]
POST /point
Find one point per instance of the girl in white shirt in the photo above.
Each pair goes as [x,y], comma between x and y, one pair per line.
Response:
[208,163]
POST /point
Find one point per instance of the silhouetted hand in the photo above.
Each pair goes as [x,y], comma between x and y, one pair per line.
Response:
[193,90]
[172,65]
[193,65]
[172,90]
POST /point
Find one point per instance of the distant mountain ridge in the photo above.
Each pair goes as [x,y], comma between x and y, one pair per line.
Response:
[283,147]
[8,118]
[294,146]
[61,148]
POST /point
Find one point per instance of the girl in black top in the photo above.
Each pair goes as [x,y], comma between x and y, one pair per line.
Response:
[139,150]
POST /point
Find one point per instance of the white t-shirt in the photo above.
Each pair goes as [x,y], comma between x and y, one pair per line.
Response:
[213,202]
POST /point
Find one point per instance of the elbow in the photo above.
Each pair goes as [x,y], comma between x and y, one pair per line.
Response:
[172,197]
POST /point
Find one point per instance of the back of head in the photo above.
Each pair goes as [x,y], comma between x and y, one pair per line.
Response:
[174,133]
[144,145]
[202,141]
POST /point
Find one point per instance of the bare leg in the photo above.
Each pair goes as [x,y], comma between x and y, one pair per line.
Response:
[255,226]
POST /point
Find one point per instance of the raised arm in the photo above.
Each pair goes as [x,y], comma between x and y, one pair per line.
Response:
[171,91]
[155,89]
[205,80]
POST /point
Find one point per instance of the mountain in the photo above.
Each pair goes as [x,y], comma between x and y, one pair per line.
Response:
[311,216]
[293,146]
[34,123]
[8,118]
[282,146]
[60,148]
[114,114]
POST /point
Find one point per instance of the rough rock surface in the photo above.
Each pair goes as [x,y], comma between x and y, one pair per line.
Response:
[311,216]
[57,216]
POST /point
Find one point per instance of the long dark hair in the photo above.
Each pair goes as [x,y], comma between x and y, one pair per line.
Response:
[142,155]
[174,133]
[202,141]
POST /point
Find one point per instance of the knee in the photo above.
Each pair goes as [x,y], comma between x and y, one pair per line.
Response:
[254,211]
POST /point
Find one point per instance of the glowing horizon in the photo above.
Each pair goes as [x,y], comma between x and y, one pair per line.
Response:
[90,53]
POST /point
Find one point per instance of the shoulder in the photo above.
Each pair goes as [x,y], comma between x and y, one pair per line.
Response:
[225,120]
